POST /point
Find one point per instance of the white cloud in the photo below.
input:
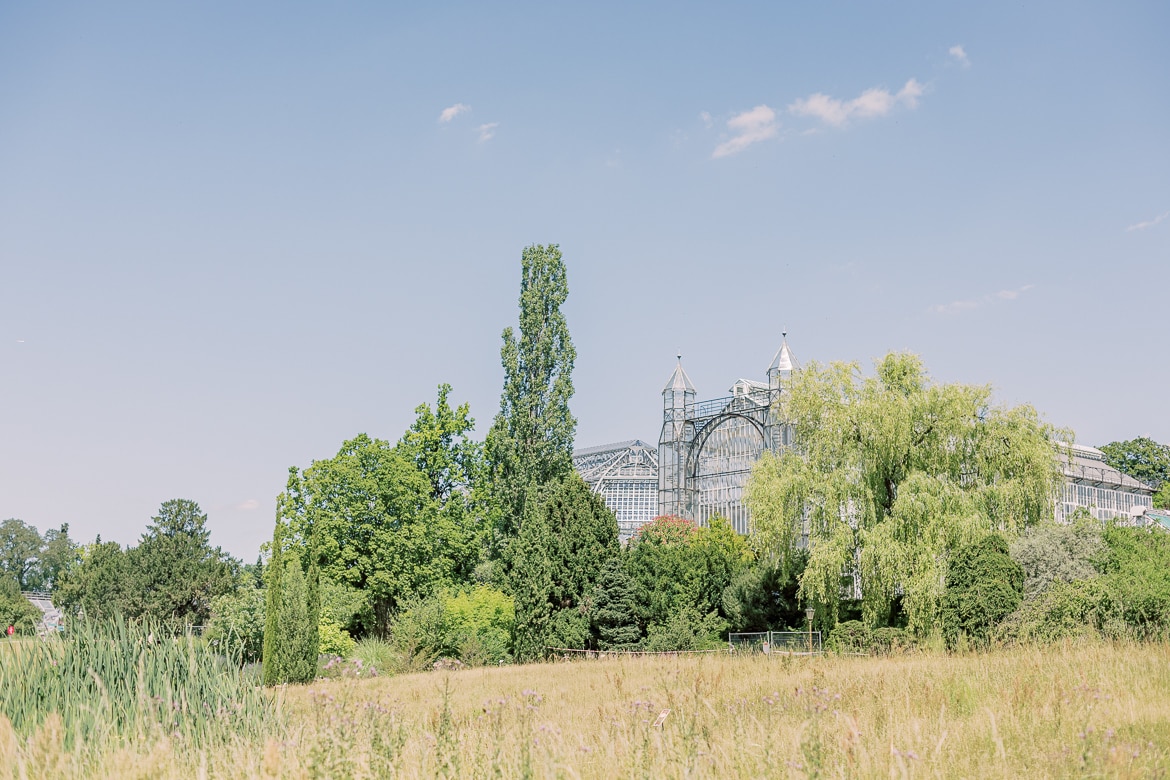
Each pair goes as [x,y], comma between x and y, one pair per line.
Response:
[750,127]
[871,103]
[487,131]
[706,117]
[248,506]
[1149,223]
[450,112]
[959,55]
[954,307]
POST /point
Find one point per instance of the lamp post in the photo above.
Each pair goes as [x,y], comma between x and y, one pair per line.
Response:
[808,613]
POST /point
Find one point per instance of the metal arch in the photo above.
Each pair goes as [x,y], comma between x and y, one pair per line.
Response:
[700,441]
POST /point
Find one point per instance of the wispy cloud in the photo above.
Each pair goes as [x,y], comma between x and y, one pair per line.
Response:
[750,127]
[1149,223]
[247,506]
[959,55]
[871,103]
[450,112]
[706,117]
[487,131]
[955,307]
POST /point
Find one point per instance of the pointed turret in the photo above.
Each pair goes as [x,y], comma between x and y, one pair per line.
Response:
[679,382]
[783,364]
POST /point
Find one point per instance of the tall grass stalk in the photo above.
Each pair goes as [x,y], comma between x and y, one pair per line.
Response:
[114,684]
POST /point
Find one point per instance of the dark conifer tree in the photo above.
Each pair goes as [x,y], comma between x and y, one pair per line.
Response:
[531,584]
[614,613]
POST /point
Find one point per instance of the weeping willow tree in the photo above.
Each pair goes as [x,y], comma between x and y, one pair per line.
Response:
[889,476]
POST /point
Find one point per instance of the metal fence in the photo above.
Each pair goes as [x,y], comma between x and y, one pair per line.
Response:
[770,642]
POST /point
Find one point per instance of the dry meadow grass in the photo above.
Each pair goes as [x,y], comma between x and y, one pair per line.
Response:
[1066,711]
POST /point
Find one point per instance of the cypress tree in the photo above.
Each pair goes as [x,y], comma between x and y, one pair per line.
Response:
[298,650]
[531,440]
[614,612]
[531,584]
[273,606]
[312,641]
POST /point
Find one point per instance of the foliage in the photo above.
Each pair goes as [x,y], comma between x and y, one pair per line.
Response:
[720,555]
[984,585]
[583,535]
[20,548]
[677,567]
[890,474]
[850,636]
[1162,497]
[334,640]
[615,618]
[236,627]
[663,569]
[379,529]
[530,444]
[531,584]
[686,629]
[477,625]
[764,596]
[58,554]
[100,586]
[273,672]
[176,571]
[1052,552]
[16,610]
[1142,458]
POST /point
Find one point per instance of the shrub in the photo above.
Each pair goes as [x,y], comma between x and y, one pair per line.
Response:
[236,628]
[686,630]
[850,636]
[1058,553]
[334,640]
[984,585]
[889,640]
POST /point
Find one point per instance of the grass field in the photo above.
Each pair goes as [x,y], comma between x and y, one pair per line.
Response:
[1068,711]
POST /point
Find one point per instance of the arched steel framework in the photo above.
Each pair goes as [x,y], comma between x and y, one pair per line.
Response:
[707,448]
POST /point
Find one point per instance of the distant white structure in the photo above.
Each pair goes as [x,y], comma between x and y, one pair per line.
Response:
[1092,484]
[625,474]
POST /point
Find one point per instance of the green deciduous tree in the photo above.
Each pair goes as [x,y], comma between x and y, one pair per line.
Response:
[1142,458]
[379,530]
[15,609]
[531,441]
[889,476]
[20,550]
[58,554]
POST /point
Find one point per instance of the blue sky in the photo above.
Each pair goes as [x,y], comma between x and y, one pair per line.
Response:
[232,237]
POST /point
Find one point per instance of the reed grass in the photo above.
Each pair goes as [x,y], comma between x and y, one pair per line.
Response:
[1075,710]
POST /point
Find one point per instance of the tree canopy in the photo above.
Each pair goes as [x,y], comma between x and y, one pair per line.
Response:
[1142,458]
[890,475]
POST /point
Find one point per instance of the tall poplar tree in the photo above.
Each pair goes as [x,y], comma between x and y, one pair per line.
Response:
[531,441]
